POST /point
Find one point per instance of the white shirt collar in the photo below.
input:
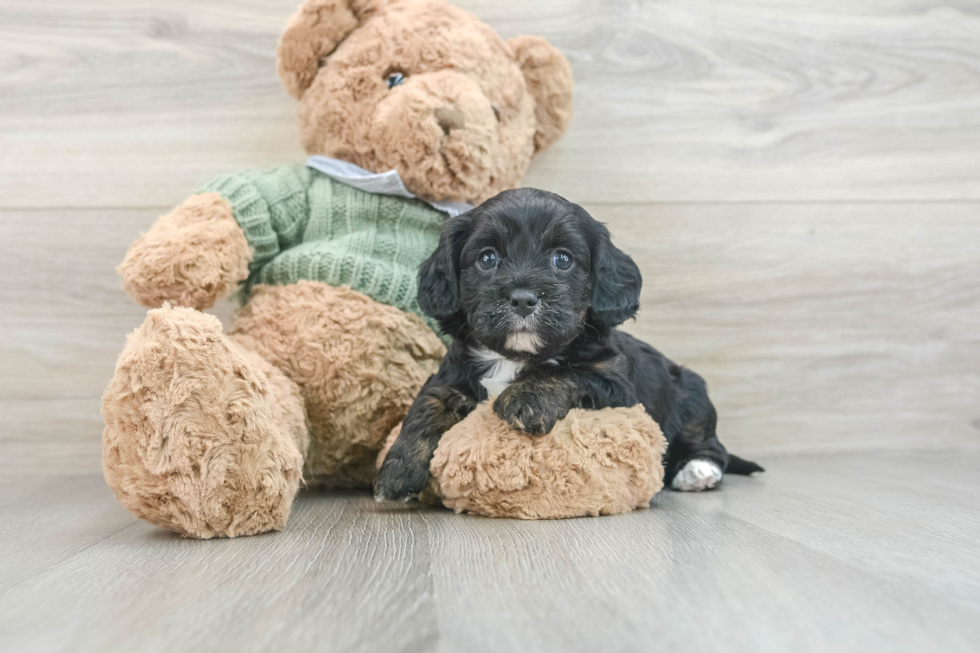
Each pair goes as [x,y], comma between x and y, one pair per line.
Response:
[382,183]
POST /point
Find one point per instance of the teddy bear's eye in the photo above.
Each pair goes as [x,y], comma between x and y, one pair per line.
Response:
[394,79]
[496,111]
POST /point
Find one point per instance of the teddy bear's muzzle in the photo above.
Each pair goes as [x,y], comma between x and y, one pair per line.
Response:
[440,131]
[450,118]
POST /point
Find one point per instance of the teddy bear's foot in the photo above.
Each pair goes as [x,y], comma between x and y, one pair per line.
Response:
[594,462]
[201,436]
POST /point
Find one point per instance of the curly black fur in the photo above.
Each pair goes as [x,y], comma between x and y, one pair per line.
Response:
[535,279]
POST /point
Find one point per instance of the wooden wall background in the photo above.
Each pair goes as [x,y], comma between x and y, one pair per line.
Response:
[799,181]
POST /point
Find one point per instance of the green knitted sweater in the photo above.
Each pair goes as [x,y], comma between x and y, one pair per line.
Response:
[301,224]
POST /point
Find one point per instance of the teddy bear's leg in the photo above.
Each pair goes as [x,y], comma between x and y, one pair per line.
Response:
[202,436]
[359,365]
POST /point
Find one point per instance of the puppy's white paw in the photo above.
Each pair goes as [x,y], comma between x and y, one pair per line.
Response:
[697,475]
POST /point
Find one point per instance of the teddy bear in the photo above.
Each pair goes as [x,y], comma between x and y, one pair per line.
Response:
[591,463]
[411,112]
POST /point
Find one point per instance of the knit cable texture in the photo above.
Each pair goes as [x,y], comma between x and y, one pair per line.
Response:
[303,225]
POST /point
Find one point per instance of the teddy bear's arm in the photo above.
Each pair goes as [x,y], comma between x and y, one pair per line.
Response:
[441,404]
[204,248]
[271,205]
[191,256]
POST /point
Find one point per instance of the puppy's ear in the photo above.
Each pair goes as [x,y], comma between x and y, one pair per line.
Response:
[313,32]
[616,284]
[439,274]
[549,79]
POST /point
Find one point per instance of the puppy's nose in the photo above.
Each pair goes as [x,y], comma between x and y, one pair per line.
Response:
[523,302]
[450,118]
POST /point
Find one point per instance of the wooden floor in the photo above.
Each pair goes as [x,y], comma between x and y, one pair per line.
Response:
[845,552]
[799,181]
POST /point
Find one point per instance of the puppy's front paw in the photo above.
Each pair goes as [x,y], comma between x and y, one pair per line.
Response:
[696,475]
[400,479]
[532,412]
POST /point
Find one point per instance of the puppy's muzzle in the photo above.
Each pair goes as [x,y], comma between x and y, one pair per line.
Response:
[523,302]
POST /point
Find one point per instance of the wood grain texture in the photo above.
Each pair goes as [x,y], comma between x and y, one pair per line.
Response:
[106,103]
[849,552]
[819,328]
[64,322]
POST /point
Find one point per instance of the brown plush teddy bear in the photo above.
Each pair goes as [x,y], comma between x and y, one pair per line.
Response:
[411,109]
[593,462]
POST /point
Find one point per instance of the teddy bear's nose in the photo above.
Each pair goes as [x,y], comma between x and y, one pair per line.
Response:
[450,118]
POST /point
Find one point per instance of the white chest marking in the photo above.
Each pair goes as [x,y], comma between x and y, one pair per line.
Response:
[500,373]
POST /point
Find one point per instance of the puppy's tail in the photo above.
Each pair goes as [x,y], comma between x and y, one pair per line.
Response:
[738,465]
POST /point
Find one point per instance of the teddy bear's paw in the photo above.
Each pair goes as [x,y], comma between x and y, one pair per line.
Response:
[201,436]
[697,475]
[594,462]
[192,256]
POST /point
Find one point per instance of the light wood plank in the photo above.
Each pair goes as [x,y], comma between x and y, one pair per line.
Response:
[48,520]
[139,103]
[63,323]
[818,327]
[849,552]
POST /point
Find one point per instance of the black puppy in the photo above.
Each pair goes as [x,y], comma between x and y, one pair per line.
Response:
[531,287]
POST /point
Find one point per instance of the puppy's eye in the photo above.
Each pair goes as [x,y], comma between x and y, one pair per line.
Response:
[487,259]
[496,112]
[394,79]
[561,260]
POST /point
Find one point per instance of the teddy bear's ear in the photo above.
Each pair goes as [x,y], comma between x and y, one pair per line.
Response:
[312,33]
[549,79]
